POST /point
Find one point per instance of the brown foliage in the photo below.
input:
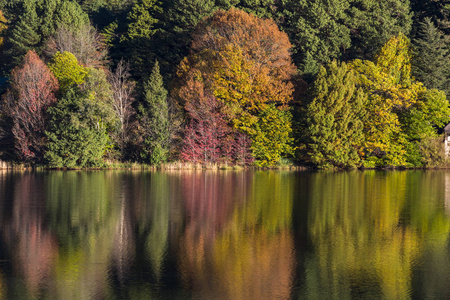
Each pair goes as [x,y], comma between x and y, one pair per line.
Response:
[260,40]
[244,52]
[30,94]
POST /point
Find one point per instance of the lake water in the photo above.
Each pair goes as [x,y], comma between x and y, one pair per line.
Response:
[225,235]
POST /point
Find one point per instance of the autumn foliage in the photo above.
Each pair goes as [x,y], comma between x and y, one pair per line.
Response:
[30,94]
[241,66]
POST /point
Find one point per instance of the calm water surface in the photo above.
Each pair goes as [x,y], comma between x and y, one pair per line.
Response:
[225,235]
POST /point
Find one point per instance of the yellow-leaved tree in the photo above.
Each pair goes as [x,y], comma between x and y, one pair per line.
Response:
[391,89]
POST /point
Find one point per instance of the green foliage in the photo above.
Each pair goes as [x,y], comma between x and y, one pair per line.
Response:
[73,139]
[143,24]
[154,119]
[431,63]
[260,8]
[110,5]
[316,30]
[99,94]
[109,33]
[143,19]
[431,111]
[438,11]
[66,69]
[372,23]
[335,118]
[419,125]
[68,13]
[322,30]
[35,20]
[400,113]
[176,35]
[272,136]
[390,89]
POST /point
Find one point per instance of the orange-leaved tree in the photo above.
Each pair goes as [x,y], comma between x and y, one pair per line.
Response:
[245,63]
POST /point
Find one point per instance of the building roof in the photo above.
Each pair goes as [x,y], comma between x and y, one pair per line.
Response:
[447,128]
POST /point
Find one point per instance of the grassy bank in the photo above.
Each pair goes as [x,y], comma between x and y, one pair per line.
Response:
[112,165]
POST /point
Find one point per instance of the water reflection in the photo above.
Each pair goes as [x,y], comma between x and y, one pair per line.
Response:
[369,231]
[224,235]
[31,245]
[240,245]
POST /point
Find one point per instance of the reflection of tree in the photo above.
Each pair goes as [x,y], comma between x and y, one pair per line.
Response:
[366,241]
[210,199]
[238,251]
[157,241]
[151,200]
[123,245]
[84,212]
[428,199]
[32,246]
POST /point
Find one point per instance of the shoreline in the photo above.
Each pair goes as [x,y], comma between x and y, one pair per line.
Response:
[176,166]
[180,166]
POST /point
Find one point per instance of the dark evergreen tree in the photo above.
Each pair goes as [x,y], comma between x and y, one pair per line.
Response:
[143,24]
[437,10]
[372,23]
[74,140]
[322,30]
[316,31]
[154,119]
[431,61]
[261,8]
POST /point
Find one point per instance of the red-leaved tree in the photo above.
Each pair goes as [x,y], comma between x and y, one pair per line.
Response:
[32,91]
[208,137]
[206,132]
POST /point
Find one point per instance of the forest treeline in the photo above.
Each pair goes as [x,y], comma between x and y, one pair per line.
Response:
[331,84]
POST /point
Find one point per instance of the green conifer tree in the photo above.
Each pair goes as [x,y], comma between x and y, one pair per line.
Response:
[431,62]
[334,118]
[316,31]
[372,23]
[74,140]
[154,119]
[144,23]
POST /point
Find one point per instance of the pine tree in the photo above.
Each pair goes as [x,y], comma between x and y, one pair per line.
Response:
[372,23]
[154,119]
[316,31]
[175,38]
[73,139]
[431,63]
[335,126]
[143,24]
